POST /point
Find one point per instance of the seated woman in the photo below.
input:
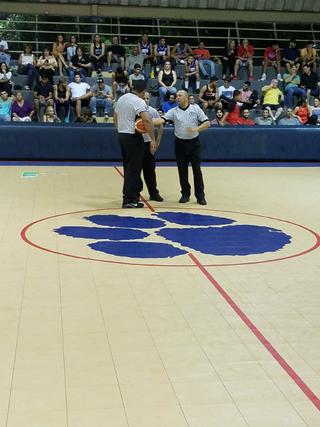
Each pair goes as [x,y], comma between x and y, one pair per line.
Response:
[120,82]
[47,64]
[5,76]
[167,78]
[22,110]
[72,47]
[50,115]
[27,66]
[61,96]
[302,111]
[58,50]
[97,52]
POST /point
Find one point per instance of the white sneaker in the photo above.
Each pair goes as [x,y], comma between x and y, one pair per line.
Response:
[106,117]
[263,78]
[279,77]
[27,87]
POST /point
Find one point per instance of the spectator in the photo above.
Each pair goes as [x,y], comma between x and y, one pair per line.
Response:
[4,52]
[22,110]
[218,119]
[290,119]
[226,92]
[134,58]
[97,53]
[309,56]
[27,66]
[272,98]
[47,64]
[86,116]
[204,58]
[136,75]
[244,58]
[245,119]
[310,82]
[102,98]
[167,78]
[249,98]
[209,95]
[192,73]
[265,119]
[180,52]
[292,82]
[171,103]
[315,109]
[146,49]
[116,53]
[313,120]
[80,94]
[5,79]
[272,57]
[42,94]
[229,59]
[61,96]
[120,82]
[72,48]
[192,100]
[232,115]
[80,64]
[302,111]
[291,56]
[58,51]
[161,53]
[50,115]
[5,107]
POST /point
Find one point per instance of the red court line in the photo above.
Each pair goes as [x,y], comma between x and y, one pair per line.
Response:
[142,198]
[275,354]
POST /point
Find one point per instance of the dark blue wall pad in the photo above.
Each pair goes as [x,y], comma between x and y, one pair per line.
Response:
[36,141]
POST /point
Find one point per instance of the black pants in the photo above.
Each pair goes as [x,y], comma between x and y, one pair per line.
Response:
[189,151]
[149,171]
[132,150]
[230,63]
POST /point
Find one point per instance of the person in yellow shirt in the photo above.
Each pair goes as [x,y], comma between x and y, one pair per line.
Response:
[273,99]
[309,56]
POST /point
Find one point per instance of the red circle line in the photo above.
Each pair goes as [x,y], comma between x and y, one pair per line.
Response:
[24,237]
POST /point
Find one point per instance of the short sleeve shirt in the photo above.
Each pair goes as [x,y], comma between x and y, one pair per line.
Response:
[78,89]
[43,90]
[154,115]
[271,96]
[106,90]
[184,118]
[128,107]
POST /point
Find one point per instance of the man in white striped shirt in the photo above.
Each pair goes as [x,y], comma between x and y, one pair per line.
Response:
[188,121]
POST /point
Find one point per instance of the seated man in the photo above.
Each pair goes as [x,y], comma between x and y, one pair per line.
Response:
[290,119]
[204,58]
[171,103]
[22,110]
[161,53]
[134,58]
[292,88]
[5,107]
[209,96]
[272,98]
[226,92]
[80,64]
[244,119]
[309,56]
[244,58]
[232,114]
[310,82]
[4,52]
[136,75]
[265,119]
[80,93]
[180,52]
[291,56]
[249,98]
[272,57]
[43,96]
[115,53]
[102,97]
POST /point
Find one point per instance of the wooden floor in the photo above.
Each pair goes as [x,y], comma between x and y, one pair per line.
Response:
[201,338]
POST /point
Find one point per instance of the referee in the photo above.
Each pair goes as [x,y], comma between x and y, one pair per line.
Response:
[188,121]
[128,107]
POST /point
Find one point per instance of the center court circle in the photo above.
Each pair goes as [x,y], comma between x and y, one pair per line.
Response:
[302,239]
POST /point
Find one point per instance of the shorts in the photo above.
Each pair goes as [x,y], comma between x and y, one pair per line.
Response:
[84,103]
[272,106]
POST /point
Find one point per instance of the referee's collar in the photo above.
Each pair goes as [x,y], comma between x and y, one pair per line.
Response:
[185,108]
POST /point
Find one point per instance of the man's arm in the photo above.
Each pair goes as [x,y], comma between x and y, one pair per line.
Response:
[147,121]
[203,126]
[115,119]
[158,122]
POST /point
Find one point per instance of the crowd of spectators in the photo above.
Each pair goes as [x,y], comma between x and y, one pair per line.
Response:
[291,98]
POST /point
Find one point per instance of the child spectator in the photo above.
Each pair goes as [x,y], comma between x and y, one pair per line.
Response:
[272,57]
[50,116]
[229,59]
[27,66]
[22,110]
[244,58]
[97,52]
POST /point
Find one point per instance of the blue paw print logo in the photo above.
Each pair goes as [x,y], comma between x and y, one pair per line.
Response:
[172,234]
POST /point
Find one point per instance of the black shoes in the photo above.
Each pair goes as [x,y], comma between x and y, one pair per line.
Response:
[156,198]
[202,201]
[184,199]
[133,205]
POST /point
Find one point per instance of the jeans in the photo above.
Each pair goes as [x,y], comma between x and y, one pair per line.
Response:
[81,71]
[31,72]
[204,62]
[163,92]
[5,118]
[104,103]
[290,92]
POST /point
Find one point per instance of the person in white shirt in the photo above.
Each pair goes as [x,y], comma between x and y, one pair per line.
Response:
[80,94]
[5,79]
[226,92]
[4,52]
[27,66]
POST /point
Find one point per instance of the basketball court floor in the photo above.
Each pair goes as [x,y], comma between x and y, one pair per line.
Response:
[167,316]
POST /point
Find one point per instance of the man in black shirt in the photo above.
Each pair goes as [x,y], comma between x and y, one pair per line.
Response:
[80,64]
[42,94]
[310,82]
[116,53]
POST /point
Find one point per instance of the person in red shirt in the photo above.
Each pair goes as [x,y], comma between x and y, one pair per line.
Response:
[232,115]
[245,118]
[244,58]
[204,58]
[271,57]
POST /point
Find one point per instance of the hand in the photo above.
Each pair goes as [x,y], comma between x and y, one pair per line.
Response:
[192,130]
[153,147]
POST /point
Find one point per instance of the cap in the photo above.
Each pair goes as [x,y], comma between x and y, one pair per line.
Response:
[100,80]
